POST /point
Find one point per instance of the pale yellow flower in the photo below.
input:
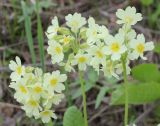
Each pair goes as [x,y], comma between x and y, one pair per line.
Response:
[115,46]
[75,21]
[128,16]
[17,68]
[139,47]
[22,90]
[46,115]
[54,82]
[32,108]
[52,30]
[82,60]
[56,52]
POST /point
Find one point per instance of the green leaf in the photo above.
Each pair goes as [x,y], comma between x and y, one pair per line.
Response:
[101,95]
[28,32]
[73,117]
[137,93]
[146,2]
[92,76]
[157,48]
[146,72]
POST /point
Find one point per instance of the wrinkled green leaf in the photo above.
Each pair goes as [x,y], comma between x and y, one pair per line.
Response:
[73,117]
[137,93]
[101,95]
[146,72]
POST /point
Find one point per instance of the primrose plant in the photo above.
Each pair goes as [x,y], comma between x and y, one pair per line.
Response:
[80,44]
[35,90]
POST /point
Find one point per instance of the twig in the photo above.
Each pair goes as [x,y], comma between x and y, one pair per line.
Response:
[97,114]
[9,105]
[143,115]
[12,45]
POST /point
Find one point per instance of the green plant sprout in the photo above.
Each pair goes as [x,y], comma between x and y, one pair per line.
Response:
[79,44]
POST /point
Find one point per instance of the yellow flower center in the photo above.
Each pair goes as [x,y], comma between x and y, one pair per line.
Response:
[33,103]
[58,50]
[140,48]
[94,33]
[38,89]
[19,70]
[82,59]
[23,89]
[45,113]
[66,40]
[115,47]
[74,23]
[99,54]
[128,19]
[53,82]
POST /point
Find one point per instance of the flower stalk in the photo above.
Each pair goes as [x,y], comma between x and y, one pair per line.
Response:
[84,98]
[126,91]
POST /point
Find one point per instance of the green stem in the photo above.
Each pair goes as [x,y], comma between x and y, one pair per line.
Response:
[126,92]
[69,99]
[84,98]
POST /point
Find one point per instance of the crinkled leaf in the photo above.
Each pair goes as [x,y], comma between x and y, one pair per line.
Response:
[73,117]
[137,93]
[146,72]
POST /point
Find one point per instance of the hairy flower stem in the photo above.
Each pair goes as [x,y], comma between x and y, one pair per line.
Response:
[126,92]
[84,98]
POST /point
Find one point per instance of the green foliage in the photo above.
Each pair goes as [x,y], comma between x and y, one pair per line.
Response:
[157,48]
[146,72]
[40,37]
[138,93]
[28,32]
[145,91]
[32,7]
[51,123]
[100,96]
[153,16]
[147,2]
[73,117]
[157,113]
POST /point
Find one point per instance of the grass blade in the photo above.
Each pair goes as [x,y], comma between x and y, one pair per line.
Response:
[28,32]
[40,37]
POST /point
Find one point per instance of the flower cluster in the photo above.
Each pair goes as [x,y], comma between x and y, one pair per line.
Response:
[85,43]
[35,90]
